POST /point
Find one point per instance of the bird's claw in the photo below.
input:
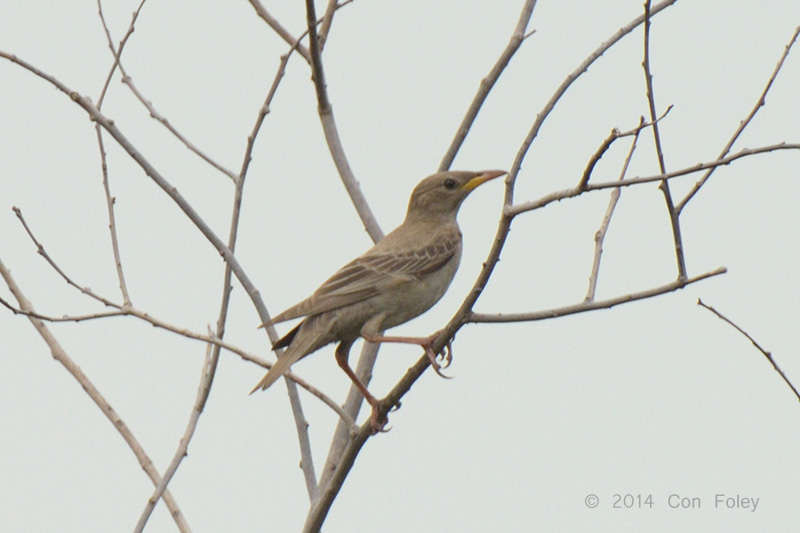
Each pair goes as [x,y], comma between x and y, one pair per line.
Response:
[377,423]
[446,356]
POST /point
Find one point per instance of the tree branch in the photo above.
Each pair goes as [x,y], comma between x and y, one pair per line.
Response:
[279,29]
[488,82]
[762,100]
[767,354]
[62,357]
[674,216]
[203,390]
[600,235]
[573,192]
[585,306]
[332,133]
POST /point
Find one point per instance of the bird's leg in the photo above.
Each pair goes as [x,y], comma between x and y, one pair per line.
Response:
[425,342]
[342,355]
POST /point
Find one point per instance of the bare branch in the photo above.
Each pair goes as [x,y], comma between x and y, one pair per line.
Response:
[664,186]
[487,83]
[301,426]
[557,196]
[762,99]
[112,219]
[262,113]
[767,354]
[559,92]
[332,133]
[327,21]
[127,80]
[112,223]
[279,29]
[600,236]
[62,357]
[117,53]
[606,144]
[203,389]
[583,307]
[613,136]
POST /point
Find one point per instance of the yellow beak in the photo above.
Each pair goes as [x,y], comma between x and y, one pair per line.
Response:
[482,178]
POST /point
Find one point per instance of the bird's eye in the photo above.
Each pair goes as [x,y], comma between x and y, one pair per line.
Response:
[450,184]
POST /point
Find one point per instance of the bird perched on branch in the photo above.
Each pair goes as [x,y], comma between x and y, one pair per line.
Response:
[398,279]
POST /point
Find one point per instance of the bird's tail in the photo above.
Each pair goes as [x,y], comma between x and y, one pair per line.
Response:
[280,367]
[302,340]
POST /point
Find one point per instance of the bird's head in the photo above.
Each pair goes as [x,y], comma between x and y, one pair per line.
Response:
[439,196]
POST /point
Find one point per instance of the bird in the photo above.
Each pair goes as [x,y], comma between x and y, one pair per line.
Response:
[399,278]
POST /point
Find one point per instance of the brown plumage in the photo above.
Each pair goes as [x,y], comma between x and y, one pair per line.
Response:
[398,279]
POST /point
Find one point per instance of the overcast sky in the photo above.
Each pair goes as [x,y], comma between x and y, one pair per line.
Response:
[653,398]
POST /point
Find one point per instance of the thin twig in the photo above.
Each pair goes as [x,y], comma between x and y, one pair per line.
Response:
[767,354]
[62,357]
[487,83]
[327,21]
[262,113]
[674,216]
[573,192]
[332,133]
[606,144]
[117,53]
[601,150]
[279,29]
[306,457]
[600,235]
[584,307]
[112,221]
[127,80]
[762,99]
[203,389]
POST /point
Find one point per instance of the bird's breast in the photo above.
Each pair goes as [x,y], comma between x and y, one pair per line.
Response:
[414,298]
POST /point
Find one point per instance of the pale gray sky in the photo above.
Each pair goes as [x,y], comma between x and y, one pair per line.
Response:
[656,397]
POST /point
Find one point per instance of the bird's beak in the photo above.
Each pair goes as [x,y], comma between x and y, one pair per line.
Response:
[481,178]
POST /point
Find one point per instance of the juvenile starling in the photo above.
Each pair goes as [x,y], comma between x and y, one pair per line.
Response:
[398,279]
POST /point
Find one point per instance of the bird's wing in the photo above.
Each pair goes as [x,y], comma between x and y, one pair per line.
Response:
[371,274]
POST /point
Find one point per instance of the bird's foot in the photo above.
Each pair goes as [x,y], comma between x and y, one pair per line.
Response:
[377,421]
[446,355]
